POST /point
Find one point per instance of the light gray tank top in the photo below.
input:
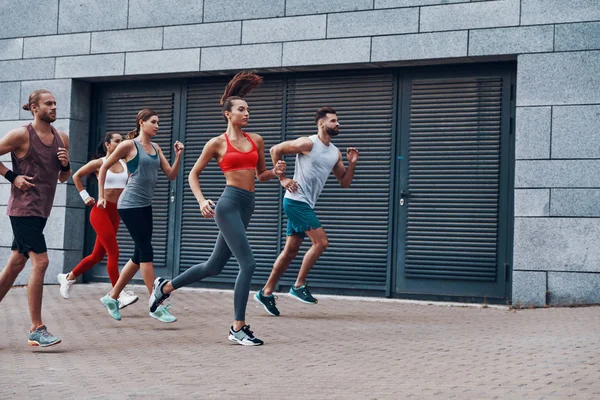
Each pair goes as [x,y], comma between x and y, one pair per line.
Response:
[311,171]
[140,186]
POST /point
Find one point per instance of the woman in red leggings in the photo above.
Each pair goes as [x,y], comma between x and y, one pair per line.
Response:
[105,221]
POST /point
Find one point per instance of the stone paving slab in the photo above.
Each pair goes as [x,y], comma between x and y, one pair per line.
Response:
[342,348]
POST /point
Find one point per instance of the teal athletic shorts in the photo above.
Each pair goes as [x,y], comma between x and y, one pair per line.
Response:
[301,217]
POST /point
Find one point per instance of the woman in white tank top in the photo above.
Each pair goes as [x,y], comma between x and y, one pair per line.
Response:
[105,221]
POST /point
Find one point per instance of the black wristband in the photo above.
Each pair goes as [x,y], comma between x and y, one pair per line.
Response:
[10,176]
[66,168]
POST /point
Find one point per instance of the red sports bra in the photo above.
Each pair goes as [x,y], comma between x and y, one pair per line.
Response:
[235,159]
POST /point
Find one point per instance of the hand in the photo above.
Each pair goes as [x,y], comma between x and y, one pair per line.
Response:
[22,182]
[101,203]
[352,155]
[63,156]
[178,146]
[289,184]
[206,207]
[280,167]
[90,201]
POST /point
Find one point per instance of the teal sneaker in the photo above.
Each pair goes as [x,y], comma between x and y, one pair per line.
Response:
[302,294]
[163,315]
[268,302]
[42,338]
[112,306]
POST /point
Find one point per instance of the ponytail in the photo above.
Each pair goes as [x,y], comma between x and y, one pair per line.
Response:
[238,87]
[133,133]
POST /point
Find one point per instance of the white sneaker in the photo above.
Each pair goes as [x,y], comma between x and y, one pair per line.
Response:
[126,298]
[65,285]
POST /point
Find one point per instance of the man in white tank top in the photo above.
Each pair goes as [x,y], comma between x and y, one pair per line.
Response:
[316,158]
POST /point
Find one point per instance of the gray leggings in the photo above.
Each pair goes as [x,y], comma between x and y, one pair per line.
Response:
[232,215]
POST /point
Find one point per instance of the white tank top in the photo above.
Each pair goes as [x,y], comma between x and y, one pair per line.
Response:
[311,171]
[116,180]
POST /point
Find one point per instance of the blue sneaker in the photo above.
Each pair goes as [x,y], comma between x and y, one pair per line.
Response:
[268,302]
[302,294]
[112,306]
[42,338]
[163,315]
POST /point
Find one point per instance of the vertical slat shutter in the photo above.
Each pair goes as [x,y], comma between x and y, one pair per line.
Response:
[355,219]
[120,111]
[204,120]
[454,169]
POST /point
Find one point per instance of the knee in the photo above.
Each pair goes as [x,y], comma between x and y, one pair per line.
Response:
[321,244]
[40,266]
[214,269]
[14,267]
[146,254]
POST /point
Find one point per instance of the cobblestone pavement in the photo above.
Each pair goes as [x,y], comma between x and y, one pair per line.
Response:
[342,348]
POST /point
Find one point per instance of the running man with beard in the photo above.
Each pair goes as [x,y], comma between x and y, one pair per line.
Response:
[40,158]
[316,157]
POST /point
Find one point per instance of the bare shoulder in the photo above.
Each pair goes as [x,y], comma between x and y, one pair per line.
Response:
[18,134]
[215,141]
[256,138]
[156,145]
[64,137]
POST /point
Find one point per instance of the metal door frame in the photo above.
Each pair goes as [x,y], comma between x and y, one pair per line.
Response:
[505,211]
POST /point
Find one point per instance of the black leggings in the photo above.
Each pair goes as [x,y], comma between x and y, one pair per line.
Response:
[232,215]
[139,224]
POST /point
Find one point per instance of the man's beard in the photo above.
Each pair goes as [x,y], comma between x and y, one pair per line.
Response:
[332,131]
[47,117]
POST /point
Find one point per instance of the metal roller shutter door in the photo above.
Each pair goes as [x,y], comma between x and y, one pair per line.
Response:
[355,219]
[455,157]
[120,109]
[204,120]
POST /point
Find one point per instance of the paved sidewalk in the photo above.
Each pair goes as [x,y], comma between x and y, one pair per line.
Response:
[339,349]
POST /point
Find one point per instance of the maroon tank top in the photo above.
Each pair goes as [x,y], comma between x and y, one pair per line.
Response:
[41,162]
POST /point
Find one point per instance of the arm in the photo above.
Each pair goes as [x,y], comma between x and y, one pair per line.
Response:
[262,174]
[12,141]
[343,175]
[301,145]
[63,156]
[171,171]
[87,169]
[120,152]
[209,152]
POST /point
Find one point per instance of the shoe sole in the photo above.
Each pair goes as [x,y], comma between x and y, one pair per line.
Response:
[166,322]
[237,341]
[109,311]
[303,301]
[265,307]
[127,305]
[33,343]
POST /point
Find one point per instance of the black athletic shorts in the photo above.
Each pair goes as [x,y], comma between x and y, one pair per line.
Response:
[28,235]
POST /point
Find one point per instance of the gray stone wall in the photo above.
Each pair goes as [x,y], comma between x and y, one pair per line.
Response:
[47,43]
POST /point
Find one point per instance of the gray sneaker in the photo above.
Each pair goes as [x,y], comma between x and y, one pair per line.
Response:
[157,296]
[244,336]
[42,338]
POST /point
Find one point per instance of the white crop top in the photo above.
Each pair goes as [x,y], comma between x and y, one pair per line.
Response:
[116,180]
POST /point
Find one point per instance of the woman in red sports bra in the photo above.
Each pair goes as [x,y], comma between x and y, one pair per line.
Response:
[241,157]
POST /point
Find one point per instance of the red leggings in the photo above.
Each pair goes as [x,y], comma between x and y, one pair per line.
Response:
[105,222]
